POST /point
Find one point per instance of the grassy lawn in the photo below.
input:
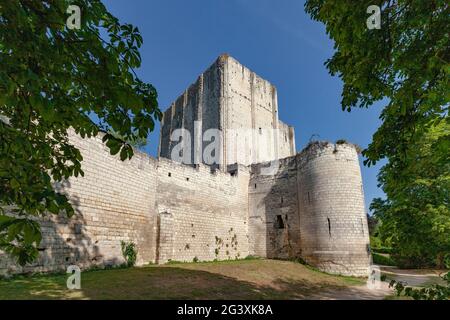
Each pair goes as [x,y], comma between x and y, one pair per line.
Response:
[243,279]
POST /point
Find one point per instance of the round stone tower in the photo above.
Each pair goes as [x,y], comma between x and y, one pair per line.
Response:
[333,222]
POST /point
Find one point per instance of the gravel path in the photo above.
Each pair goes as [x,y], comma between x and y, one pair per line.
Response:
[413,277]
[355,293]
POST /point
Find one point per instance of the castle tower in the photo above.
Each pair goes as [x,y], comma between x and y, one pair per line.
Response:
[334,233]
[312,208]
[242,106]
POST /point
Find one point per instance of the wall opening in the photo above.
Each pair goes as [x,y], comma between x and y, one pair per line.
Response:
[280,222]
[169,174]
[329,226]
[309,199]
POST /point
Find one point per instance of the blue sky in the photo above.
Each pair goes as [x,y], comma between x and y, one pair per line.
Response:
[276,39]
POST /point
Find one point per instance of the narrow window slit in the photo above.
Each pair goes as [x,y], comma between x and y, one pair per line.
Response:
[329,226]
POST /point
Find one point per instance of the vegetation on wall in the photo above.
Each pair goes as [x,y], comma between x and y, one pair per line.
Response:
[129,252]
[53,79]
[405,64]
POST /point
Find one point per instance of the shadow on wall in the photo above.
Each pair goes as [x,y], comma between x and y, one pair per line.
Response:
[274,219]
[65,242]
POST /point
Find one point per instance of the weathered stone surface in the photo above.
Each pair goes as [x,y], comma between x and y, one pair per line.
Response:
[243,106]
[311,207]
[318,197]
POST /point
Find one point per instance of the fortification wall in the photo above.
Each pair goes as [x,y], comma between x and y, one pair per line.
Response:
[333,221]
[312,208]
[114,201]
[286,140]
[274,225]
[204,213]
[170,211]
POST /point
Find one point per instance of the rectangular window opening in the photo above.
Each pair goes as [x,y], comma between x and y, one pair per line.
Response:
[280,222]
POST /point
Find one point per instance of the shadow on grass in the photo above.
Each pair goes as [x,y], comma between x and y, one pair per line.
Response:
[65,241]
[166,283]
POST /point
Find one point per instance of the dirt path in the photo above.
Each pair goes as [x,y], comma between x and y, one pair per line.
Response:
[355,293]
[413,277]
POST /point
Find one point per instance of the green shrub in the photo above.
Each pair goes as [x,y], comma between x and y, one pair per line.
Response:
[250,257]
[375,242]
[383,260]
[383,250]
[129,252]
[447,260]
[432,292]
[414,262]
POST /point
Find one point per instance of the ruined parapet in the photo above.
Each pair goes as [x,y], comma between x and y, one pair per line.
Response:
[333,221]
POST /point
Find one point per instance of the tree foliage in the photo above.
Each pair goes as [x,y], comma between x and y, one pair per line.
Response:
[53,80]
[433,292]
[406,64]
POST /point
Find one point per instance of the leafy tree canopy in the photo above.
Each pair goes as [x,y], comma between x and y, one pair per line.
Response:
[406,63]
[53,79]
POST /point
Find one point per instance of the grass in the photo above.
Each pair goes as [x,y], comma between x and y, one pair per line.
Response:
[241,279]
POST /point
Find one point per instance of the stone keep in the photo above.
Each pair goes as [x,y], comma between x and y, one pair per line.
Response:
[243,106]
[310,207]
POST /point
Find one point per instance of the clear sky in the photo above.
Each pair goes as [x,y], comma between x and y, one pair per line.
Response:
[276,39]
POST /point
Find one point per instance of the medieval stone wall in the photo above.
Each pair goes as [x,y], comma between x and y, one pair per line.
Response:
[312,208]
[243,106]
[273,211]
[205,211]
[169,210]
[114,202]
[197,107]
[334,231]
